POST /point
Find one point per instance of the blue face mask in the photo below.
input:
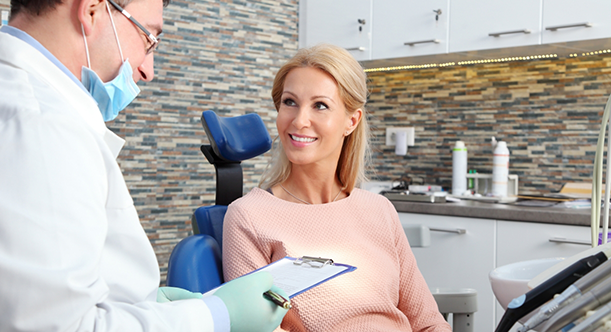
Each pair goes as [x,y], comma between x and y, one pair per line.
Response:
[112,97]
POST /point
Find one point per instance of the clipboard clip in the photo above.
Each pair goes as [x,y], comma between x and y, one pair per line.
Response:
[317,262]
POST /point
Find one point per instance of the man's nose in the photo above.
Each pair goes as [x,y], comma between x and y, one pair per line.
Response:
[146,69]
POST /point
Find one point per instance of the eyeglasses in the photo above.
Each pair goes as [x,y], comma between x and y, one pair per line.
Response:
[152,41]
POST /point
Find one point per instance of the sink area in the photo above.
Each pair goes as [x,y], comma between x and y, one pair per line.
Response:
[510,281]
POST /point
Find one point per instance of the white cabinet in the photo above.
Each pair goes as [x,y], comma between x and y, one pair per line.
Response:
[484,24]
[388,30]
[465,260]
[409,28]
[345,23]
[459,260]
[569,18]
[522,241]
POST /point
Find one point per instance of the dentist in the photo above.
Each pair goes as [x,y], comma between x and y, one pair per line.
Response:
[73,255]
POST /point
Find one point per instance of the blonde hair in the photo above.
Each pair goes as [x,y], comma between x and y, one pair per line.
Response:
[352,85]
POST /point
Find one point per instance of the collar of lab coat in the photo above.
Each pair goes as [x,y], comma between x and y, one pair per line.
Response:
[21,55]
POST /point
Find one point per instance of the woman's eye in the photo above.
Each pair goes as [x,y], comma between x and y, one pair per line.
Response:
[320,106]
[288,102]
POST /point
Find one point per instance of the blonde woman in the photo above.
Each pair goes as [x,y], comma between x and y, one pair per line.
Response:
[308,204]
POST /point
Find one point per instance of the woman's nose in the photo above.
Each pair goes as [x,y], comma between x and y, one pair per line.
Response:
[302,118]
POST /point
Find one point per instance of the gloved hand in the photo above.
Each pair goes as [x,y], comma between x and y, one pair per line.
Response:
[169,294]
[248,309]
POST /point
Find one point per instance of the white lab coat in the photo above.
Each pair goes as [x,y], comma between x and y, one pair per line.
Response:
[73,255]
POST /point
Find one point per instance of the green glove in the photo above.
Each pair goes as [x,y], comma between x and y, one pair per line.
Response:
[248,309]
[169,294]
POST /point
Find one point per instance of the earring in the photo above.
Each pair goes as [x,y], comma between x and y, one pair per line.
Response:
[347,133]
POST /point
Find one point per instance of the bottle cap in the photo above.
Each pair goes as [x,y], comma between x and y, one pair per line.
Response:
[459,145]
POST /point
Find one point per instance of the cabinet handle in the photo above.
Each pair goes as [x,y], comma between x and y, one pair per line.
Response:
[436,41]
[564,240]
[449,230]
[585,25]
[360,48]
[497,34]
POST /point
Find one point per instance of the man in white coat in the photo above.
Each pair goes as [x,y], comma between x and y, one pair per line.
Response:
[73,255]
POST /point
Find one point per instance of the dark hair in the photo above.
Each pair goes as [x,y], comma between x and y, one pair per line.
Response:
[37,7]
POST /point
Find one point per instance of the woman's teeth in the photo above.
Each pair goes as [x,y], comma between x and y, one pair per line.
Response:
[303,139]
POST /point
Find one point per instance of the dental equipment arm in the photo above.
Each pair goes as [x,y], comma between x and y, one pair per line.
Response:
[598,295]
[599,318]
[580,286]
[526,303]
[597,176]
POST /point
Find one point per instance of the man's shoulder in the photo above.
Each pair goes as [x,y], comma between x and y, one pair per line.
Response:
[24,94]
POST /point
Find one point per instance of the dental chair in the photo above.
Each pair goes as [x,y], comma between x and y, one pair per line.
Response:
[195,263]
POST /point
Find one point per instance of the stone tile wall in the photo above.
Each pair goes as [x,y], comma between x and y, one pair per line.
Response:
[548,111]
[219,55]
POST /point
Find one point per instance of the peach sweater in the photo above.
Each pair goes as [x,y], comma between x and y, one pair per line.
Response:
[385,293]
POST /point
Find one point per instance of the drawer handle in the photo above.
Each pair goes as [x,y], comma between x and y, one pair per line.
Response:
[436,41]
[449,230]
[497,34]
[360,48]
[570,241]
[554,28]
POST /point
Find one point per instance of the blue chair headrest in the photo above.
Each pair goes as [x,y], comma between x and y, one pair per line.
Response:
[236,138]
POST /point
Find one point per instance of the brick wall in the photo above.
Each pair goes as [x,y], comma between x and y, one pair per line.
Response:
[548,111]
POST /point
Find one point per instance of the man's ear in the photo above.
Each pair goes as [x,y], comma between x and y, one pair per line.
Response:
[89,11]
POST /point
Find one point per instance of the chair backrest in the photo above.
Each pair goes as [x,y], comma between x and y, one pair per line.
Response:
[208,220]
[195,263]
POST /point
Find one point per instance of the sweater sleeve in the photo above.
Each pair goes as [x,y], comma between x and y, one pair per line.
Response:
[415,298]
[242,250]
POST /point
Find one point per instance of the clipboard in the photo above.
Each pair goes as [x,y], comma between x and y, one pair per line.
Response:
[297,275]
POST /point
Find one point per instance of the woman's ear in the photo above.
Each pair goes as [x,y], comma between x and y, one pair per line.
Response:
[89,12]
[354,119]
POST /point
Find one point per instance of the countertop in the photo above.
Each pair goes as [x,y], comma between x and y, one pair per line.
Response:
[474,209]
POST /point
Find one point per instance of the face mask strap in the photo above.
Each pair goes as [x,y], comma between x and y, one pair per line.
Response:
[115,31]
[86,47]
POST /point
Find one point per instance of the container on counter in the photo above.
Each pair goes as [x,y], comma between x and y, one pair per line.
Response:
[500,169]
[459,168]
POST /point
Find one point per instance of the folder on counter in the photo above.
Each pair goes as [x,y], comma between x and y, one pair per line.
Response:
[297,275]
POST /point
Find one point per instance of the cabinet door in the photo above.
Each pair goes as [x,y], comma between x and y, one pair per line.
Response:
[339,22]
[523,241]
[472,22]
[459,260]
[571,17]
[415,22]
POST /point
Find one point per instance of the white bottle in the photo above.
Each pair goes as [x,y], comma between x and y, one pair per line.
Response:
[500,169]
[459,168]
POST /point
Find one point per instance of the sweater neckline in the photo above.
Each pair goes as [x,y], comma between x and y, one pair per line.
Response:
[268,192]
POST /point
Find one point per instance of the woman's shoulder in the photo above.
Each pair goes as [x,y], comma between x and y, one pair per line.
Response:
[362,195]
[255,196]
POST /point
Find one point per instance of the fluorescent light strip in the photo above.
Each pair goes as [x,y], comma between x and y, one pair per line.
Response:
[474,62]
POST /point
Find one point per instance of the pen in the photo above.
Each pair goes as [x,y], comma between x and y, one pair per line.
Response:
[277,299]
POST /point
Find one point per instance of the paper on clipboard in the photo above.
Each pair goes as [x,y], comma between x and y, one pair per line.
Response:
[295,279]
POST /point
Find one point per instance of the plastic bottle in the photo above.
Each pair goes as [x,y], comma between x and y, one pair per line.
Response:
[459,168]
[500,169]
